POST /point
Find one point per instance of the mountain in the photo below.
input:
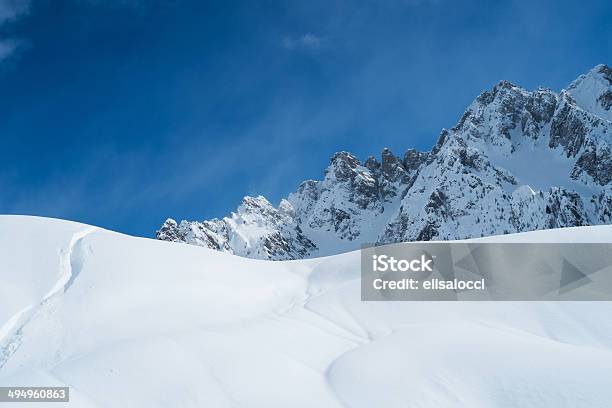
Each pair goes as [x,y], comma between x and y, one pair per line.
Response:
[133,322]
[516,161]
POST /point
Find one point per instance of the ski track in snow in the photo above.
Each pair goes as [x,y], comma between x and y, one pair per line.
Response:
[70,267]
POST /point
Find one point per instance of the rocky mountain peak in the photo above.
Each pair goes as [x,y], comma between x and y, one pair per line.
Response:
[392,166]
[517,160]
[169,231]
[342,163]
[372,164]
[413,160]
[256,205]
[505,86]
[593,91]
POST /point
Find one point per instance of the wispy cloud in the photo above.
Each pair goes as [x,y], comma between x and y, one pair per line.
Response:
[307,40]
[8,47]
[11,10]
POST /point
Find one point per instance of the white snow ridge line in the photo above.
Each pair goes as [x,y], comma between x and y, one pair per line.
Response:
[10,332]
[69,268]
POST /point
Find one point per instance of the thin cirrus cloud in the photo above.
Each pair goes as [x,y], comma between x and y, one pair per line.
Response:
[7,47]
[304,41]
[11,10]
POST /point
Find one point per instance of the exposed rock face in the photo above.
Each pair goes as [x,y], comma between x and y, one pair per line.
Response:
[255,230]
[516,161]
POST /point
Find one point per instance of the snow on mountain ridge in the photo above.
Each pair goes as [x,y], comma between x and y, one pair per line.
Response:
[256,230]
[471,184]
[593,91]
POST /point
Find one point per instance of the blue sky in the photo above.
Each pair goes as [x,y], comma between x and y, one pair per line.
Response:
[121,113]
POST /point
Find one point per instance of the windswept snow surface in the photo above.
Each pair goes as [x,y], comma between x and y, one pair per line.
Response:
[132,322]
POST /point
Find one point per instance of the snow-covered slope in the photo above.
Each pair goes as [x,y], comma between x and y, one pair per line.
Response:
[592,91]
[132,322]
[516,161]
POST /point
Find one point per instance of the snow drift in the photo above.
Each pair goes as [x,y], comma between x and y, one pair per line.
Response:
[132,322]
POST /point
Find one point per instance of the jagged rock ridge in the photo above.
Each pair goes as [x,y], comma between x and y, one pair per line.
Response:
[516,161]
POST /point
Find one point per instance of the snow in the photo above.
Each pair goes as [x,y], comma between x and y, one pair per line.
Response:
[587,88]
[533,163]
[147,323]
[516,161]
